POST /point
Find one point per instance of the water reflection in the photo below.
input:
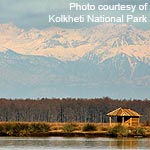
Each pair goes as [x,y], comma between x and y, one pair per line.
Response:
[60,143]
[125,143]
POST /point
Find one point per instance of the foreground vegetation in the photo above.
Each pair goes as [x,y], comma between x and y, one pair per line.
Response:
[122,131]
[70,129]
[23,129]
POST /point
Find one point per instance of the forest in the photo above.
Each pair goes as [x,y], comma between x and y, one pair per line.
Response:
[68,109]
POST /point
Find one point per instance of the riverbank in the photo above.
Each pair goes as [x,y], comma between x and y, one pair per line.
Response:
[82,134]
[70,134]
[44,129]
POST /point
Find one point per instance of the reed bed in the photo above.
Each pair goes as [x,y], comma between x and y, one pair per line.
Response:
[68,129]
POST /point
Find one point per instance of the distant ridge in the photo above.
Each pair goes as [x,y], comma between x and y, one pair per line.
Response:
[106,60]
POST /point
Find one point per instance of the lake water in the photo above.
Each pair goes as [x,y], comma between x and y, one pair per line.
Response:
[60,143]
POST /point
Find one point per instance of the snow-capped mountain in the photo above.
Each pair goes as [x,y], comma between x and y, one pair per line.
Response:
[105,60]
[72,44]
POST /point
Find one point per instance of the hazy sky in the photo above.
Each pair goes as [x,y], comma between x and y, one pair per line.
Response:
[34,13]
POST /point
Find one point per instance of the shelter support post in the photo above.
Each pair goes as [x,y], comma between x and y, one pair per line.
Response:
[110,121]
[122,120]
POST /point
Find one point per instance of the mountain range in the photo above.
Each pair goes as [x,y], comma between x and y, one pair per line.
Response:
[105,60]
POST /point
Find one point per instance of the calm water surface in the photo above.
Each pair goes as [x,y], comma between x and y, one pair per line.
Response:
[60,143]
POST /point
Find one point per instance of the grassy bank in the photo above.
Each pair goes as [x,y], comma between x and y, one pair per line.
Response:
[70,129]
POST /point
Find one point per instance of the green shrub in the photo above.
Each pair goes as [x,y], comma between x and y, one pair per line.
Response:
[1,129]
[89,127]
[14,129]
[138,131]
[20,129]
[118,131]
[38,127]
[69,128]
[8,129]
[23,129]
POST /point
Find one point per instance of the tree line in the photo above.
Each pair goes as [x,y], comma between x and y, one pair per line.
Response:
[68,109]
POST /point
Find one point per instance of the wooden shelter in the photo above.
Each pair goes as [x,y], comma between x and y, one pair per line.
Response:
[125,117]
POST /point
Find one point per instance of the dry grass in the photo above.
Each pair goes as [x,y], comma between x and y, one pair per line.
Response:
[23,128]
[58,127]
[101,127]
[79,126]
